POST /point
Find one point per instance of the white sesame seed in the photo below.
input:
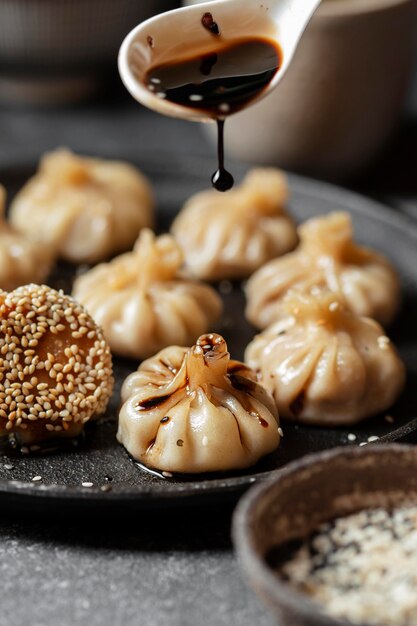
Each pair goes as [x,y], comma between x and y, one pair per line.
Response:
[26,315]
[87,484]
[383,342]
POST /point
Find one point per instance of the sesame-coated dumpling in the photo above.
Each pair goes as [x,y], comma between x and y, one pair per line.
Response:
[142,301]
[227,236]
[325,365]
[327,257]
[55,366]
[21,261]
[86,209]
[193,410]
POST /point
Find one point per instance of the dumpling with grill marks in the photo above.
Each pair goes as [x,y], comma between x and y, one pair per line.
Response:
[324,364]
[193,410]
[142,301]
[228,236]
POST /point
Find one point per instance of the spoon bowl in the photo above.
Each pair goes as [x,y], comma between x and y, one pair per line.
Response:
[174,34]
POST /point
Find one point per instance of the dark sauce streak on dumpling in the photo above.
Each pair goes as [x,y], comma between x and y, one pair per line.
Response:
[248,387]
[235,368]
[297,404]
[238,428]
[260,419]
[168,366]
[151,403]
[242,384]
[150,445]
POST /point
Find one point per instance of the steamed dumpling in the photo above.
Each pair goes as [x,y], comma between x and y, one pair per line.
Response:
[21,261]
[326,257]
[193,410]
[325,365]
[143,303]
[226,236]
[87,209]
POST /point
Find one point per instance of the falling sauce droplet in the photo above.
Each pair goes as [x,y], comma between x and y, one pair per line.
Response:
[221,180]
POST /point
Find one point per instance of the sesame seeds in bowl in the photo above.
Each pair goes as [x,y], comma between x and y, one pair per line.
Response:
[55,365]
[332,527]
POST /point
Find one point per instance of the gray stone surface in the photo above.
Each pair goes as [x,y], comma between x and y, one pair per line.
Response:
[166,572]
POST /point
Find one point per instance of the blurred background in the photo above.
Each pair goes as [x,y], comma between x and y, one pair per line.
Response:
[346,111]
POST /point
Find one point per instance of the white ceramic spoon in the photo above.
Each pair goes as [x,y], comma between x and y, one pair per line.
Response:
[176,34]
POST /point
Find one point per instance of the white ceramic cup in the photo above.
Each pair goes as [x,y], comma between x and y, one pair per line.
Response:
[341,97]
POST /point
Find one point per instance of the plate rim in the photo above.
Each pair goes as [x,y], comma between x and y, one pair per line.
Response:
[356,203]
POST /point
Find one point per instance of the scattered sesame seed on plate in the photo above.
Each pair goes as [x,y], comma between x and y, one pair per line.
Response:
[87,484]
[36,479]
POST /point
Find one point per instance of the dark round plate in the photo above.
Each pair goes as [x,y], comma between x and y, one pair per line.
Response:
[99,461]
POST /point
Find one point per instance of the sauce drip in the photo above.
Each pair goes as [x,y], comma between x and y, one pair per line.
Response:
[222,180]
[220,83]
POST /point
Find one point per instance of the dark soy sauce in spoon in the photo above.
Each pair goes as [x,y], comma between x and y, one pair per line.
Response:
[220,82]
